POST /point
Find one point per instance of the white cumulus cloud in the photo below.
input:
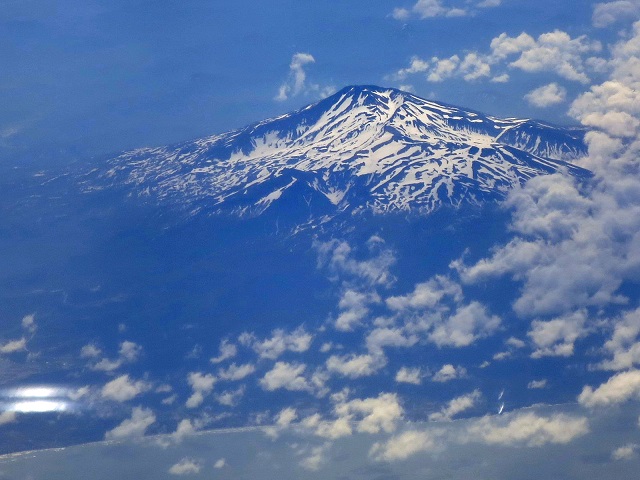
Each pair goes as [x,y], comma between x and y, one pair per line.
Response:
[287,376]
[409,375]
[123,388]
[136,426]
[607,13]
[449,372]
[547,95]
[186,466]
[619,388]
[456,406]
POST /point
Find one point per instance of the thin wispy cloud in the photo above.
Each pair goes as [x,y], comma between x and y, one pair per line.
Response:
[297,83]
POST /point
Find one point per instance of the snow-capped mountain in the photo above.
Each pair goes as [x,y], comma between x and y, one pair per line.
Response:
[365,148]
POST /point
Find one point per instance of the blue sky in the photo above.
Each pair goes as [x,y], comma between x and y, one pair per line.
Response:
[85,78]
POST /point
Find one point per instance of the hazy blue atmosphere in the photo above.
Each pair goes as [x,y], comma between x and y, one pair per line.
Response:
[342,239]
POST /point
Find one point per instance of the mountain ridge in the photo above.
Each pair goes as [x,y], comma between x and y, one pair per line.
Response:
[362,148]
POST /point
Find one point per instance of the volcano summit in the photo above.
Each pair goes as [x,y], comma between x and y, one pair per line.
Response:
[364,148]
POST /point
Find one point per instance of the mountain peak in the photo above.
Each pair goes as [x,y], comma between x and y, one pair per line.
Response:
[364,148]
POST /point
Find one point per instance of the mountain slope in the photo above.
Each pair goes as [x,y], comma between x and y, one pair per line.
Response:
[364,148]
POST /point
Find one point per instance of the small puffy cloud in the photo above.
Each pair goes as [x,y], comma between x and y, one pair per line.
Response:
[409,375]
[626,452]
[380,338]
[287,376]
[504,46]
[618,389]
[220,463]
[404,445]
[136,426]
[436,8]
[501,356]
[427,295]
[271,348]
[465,326]
[338,428]
[236,372]
[547,95]
[184,429]
[529,429]
[29,323]
[401,14]
[8,417]
[607,13]
[316,457]
[14,346]
[296,83]
[537,384]
[449,372]
[186,466]
[201,384]
[106,365]
[443,68]
[90,351]
[78,393]
[502,78]
[624,344]
[429,8]
[227,350]
[230,398]
[515,342]
[354,307]
[372,415]
[123,388]
[456,406]
[416,65]
[557,337]
[470,67]
[286,416]
[355,366]
[326,347]
[473,67]
[129,352]
[339,258]
[426,9]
